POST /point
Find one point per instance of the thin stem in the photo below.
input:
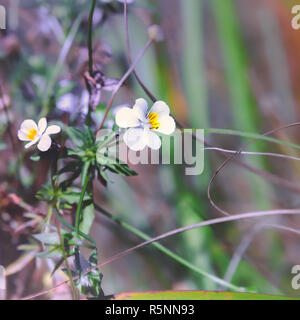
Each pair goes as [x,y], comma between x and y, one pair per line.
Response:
[90,49]
[53,204]
[225,162]
[126,75]
[242,216]
[66,260]
[166,251]
[48,218]
[252,135]
[146,90]
[78,211]
[268,154]
[90,37]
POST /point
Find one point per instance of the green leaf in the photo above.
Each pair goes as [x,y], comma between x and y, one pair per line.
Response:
[90,284]
[122,169]
[66,224]
[35,157]
[89,135]
[68,182]
[70,167]
[50,254]
[78,137]
[72,197]
[196,295]
[74,153]
[57,265]
[47,238]
[87,217]
[103,140]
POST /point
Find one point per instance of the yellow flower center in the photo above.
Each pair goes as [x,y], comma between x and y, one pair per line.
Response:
[153,120]
[31,134]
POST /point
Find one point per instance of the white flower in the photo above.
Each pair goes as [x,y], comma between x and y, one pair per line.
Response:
[142,125]
[67,103]
[37,133]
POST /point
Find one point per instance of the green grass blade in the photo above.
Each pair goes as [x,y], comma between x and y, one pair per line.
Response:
[166,251]
[196,295]
[252,136]
[244,109]
[193,68]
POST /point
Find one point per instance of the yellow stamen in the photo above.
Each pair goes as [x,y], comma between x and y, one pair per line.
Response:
[31,134]
[153,120]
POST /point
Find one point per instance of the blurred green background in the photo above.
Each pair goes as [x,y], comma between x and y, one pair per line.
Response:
[223,64]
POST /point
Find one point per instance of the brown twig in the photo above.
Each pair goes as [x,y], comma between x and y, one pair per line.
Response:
[126,75]
[143,86]
[233,157]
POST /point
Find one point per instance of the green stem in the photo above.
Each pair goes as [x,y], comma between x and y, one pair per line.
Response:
[66,261]
[166,251]
[90,49]
[54,182]
[78,211]
[90,38]
[48,217]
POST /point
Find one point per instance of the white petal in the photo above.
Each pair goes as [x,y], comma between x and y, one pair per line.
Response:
[45,143]
[117,108]
[140,108]
[28,145]
[167,125]
[27,125]
[67,102]
[161,108]
[136,138]
[153,141]
[53,129]
[22,136]
[42,125]
[127,118]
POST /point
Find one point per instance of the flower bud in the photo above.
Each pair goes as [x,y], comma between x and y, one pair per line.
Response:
[155,33]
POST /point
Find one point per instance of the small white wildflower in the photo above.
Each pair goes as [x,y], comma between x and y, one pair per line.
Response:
[67,103]
[37,133]
[142,125]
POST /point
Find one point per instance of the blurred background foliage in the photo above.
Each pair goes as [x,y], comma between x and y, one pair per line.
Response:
[224,64]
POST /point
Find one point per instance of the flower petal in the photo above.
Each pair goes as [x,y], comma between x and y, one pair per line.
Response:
[28,124]
[140,108]
[127,118]
[42,125]
[161,108]
[45,143]
[28,145]
[136,138]
[53,129]
[22,136]
[154,141]
[167,125]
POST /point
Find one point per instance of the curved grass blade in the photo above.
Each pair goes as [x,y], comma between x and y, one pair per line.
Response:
[196,295]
